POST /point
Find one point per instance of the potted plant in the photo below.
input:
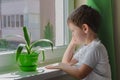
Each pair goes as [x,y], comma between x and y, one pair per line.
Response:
[27,55]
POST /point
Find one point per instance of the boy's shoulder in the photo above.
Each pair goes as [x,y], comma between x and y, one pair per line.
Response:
[96,45]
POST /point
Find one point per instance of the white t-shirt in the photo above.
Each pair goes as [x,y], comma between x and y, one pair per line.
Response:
[94,55]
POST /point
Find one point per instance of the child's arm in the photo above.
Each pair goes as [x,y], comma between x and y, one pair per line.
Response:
[68,55]
[79,73]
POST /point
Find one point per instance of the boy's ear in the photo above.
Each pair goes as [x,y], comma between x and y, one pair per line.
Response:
[85,28]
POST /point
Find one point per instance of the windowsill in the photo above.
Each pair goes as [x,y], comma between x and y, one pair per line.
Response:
[9,69]
[8,58]
[41,73]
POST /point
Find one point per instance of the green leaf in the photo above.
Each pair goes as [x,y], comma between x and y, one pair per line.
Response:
[43,55]
[42,41]
[19,50]
[28,49]
[26,36]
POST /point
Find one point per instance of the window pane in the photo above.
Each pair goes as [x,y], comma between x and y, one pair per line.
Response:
[43,18]
[47,19]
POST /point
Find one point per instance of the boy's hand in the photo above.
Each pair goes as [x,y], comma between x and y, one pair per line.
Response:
[73,41]
[53,66]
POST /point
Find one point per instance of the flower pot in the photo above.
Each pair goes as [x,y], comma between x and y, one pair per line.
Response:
[28,68]
[28,62]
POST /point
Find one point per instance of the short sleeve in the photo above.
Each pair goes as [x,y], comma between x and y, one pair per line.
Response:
[92,57]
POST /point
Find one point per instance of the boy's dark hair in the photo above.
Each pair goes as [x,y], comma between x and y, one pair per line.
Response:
[85,15]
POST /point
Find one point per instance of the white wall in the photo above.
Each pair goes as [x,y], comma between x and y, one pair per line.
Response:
[32,6]
[31,11]
[12,7]
[20,6]
[79,2]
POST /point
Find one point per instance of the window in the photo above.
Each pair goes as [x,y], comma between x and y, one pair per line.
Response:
[12,21]
[41,18]
[44,19]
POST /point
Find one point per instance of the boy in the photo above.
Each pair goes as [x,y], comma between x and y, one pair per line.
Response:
[91,58]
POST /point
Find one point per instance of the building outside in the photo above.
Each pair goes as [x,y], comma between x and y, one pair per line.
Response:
[17,13]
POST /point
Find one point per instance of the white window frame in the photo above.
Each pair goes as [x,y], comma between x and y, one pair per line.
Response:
[59,22]
[62,32]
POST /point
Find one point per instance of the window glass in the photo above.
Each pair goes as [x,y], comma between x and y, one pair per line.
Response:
[43,18]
